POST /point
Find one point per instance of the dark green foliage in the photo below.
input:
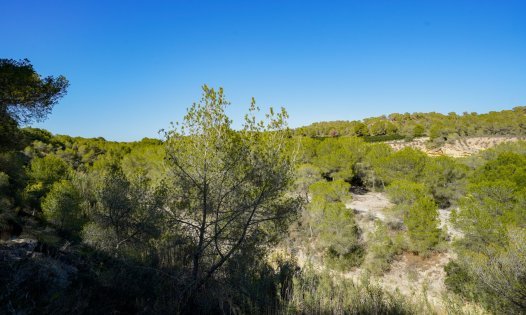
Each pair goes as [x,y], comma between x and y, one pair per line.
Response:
[24,94]
[422,225]
[445,179]
[494,276]
[404,164]
[48,170]
[381,138]
[332,226]
[383,246]
[43,173]
[490,268]
[125,214]
[360,129]
[335,159]
[10,135]
[338,234]
[405,192]
[439,127]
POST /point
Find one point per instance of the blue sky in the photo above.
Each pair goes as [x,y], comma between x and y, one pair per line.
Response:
[134,66]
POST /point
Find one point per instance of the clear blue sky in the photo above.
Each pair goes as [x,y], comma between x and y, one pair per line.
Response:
[134,66]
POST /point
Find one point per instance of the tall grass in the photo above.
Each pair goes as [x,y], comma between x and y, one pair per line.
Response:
[324,293]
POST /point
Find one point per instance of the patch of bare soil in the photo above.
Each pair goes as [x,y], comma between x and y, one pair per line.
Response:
[418,278]
[411,275]
[371,204]
[458,148]
[445,224]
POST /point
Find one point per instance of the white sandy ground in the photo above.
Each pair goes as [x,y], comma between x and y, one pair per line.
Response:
[413,276]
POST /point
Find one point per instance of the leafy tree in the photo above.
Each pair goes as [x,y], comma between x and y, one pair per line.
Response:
[125,213]
[506,166]
[494,275]
[9,133]
[48,169]
[503,273]
[61,206]
[422,225]
[418,130]
[334,191]
[145,158]
[381,249]
[227,187]
[335,160]
[306,175]
[439,127]
[339,236]
[405,192]
[24,94]
[5,200]
[404,164]
[306,148]
[445,178]
[367,169]
[332,227]
[43,173]
[489,268]
[382,127]
[360,129]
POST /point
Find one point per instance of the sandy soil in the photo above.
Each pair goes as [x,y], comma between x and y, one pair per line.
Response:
[453,233]
[413,276]
[371,204]
[410,275]
[459,148]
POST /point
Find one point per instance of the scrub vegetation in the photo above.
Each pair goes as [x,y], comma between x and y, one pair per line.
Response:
[261,219]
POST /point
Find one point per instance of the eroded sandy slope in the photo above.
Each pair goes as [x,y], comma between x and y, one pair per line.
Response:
[458,148]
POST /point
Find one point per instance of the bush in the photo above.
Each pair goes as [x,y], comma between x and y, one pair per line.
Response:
[422,225]
[405,192]
[381,249]
[61,206]
[48,169]
[334,191]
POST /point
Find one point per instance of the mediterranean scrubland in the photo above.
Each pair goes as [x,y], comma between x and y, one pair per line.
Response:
[263,219]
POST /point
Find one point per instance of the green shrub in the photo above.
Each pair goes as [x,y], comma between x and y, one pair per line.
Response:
[61,206]
[422,225]
[405,191]
[381,249]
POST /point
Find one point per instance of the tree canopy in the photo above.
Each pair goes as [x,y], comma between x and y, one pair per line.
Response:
[25,95]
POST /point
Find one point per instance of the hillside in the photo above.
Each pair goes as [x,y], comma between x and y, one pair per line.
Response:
[357,224]
[438,127]
[454,148]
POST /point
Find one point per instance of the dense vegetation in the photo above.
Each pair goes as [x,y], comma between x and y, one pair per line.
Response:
[439,127]
[208,219]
